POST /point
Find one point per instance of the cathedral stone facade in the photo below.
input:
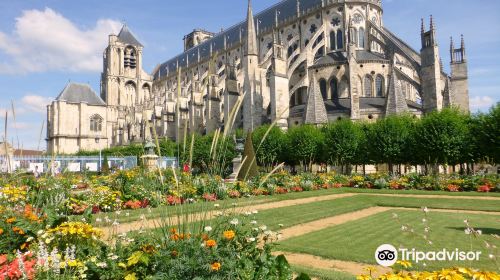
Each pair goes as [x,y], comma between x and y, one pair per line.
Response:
[299,61]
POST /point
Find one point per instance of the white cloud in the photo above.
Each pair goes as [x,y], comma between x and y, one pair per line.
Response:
[44,40]
[481,103]
[36,103]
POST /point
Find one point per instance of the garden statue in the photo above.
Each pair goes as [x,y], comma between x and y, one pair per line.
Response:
[237,160]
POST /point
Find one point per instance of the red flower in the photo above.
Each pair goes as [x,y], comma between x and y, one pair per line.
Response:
[209,197]
[484,188]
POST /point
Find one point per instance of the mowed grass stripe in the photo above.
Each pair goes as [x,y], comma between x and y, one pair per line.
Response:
[344,242]
[161,211]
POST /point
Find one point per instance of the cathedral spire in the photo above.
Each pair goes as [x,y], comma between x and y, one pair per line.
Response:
[462,46]
[422,27]
[432,23]
[251,35]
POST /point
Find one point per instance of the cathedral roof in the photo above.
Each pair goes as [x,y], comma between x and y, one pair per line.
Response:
[126,36]
[79,93]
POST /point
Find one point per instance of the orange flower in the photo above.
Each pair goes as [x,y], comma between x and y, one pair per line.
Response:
[10,220]
[210,243]
[174,237]
[1,231]
[173,231]
[216,266]
[18,230]
[229,234]
[204,237]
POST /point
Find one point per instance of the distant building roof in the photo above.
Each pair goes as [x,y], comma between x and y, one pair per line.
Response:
[126,36]
[80,93]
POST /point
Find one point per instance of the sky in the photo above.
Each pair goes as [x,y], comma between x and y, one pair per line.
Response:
[46,44]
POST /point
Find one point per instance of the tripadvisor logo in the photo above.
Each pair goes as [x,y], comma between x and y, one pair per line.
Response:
[387,255]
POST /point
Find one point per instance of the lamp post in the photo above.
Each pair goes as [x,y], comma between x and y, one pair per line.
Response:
[100,152]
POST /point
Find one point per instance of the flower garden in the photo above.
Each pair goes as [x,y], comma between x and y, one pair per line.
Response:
[56,227]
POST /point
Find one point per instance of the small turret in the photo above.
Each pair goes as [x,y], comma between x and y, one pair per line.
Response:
[431,70]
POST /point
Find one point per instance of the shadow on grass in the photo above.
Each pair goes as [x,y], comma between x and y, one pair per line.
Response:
[487,231]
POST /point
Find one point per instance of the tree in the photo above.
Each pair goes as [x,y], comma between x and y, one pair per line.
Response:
[269,148]
[249,167]
[342,142]
[441,137]
[305,145]
[388,140]
[486,130]
[207,156]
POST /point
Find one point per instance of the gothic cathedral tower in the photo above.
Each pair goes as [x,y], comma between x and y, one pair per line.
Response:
[431,70]
[121,81]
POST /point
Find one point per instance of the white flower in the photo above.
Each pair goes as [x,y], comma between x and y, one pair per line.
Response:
[404,228]
[430,242]
[248,213]
[113,257]
[39,232]
[254,222]
[394,215]
[30,239]
[251,239]
[268,232]
[491,256]
[263,228]
[98,220]
[118,212]
[467,231]
[466,221]
[84,220]
[101,264]
[234,204]
[255,212]
[127,214]
[424,220]
[280,225]
[425,209]
[208,228]
[115,223]
[216,205]
[234,221]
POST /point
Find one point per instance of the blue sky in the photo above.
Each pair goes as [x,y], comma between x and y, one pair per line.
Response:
[44,44]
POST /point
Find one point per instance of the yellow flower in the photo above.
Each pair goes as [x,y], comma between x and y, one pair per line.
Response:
[485,275]
[405,264]
[216,266]
[229,234]
[10,220]
[363,277]
[131,277]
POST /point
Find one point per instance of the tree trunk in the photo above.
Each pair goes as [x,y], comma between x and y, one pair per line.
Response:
[364,169]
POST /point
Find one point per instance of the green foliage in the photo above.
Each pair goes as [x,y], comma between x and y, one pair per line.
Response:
[270,151]
[486,130]
[442,136]
[388,139]
[343,140]
[208,159]
[305,144]
[249,168]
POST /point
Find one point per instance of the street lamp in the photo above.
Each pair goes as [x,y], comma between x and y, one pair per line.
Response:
[100,152]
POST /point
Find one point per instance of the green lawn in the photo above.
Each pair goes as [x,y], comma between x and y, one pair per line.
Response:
[357,240]
[134,215]
[322,274]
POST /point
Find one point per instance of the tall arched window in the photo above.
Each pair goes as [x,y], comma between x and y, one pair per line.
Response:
[379,85]
[96,123]
[340,39]
[361,40]
[333,46]
[334,89]
[130,92]
[368,86]
[322,87]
